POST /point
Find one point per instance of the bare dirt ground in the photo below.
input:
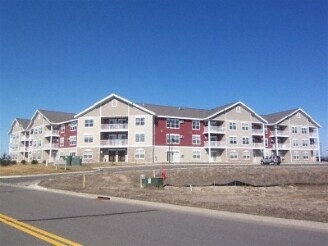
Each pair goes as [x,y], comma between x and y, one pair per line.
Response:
[285,192]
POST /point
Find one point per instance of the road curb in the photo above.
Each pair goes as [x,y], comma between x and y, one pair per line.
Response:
[266,220]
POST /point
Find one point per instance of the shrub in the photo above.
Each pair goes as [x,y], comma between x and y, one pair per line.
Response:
[23,162]
[14,162]
[34,162]
[5,160]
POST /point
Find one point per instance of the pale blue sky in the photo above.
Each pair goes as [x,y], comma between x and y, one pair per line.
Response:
[65,55]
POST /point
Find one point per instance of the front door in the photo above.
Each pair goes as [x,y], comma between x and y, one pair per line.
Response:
[121,155]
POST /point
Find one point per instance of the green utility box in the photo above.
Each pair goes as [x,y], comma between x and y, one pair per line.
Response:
[151,182]
[76,161]
[68,160]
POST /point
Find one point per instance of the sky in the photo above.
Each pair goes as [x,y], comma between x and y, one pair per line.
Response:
[65,55]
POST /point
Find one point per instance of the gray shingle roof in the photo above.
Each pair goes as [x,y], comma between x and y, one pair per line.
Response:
[276,117]
[172,111]
[56,117]
[23,122]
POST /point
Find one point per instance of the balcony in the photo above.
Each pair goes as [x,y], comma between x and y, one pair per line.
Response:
[51,146]
[281,133]
[214,129]
[54,133]
[258,145]
[281,146]
[114,142]
[215,144]
[24,138]
[257,132]
[114,127]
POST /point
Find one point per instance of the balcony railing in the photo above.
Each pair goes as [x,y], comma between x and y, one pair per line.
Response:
[258,145]
[114,142]
[215,144]
[280,133]
[114,127]
[214,129]
[257,131]
[51,146]
[281,146]
[51,133]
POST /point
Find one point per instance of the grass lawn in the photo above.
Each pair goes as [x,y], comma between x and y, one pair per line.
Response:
[29,169]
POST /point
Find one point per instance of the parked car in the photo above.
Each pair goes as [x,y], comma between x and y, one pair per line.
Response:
[273,160]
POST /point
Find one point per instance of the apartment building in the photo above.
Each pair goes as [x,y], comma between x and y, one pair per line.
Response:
[43,138]
[18,140]
[293,135]
[115,129]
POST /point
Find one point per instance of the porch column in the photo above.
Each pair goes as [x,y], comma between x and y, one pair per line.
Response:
[319,145]
[209,140]
[50,151]
[276,139]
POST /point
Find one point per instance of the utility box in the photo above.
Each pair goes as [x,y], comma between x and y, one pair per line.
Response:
[151,182]
[76,161]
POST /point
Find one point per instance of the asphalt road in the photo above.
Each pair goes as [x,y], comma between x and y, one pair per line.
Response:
[90,221]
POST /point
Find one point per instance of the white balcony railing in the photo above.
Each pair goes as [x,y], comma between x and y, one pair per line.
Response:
[214,129]
[114,127]
[114,142]
[51,133]
[215,144]
[51,146]
[257,131]
[281,146]
[258,145]
[281,133]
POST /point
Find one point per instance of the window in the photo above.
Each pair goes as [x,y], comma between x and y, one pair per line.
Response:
[296,155]
[72,140]
[305,155]
[238,109]
[294,129]
[72,153]
[298,115]
[87,154]
[196,154]
[304,130]
[140,121]
[304,142]
[39,143]
[266,143]
[173,123]
[62,128]
[233,155]
[61,142]
[244,126]
[232,125]
[73,126]
[88,123]
[245,140]
[295,143]
[40,130]
[246,155]
[172,139]
[196,139]
[139,154]
[88,139]
[195,125]
[233,140]
[140,137]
